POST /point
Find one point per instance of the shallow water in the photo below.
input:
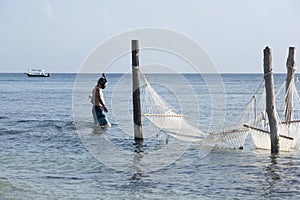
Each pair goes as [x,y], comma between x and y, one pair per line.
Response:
[50,149]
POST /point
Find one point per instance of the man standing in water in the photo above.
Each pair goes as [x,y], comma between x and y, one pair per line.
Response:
[98,102]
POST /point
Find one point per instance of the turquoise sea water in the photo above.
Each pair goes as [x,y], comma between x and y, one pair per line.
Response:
[49,148]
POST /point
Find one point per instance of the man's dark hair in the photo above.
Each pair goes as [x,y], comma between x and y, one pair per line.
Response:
[102,80]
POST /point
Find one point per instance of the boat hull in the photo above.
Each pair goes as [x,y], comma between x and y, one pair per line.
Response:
[38,75]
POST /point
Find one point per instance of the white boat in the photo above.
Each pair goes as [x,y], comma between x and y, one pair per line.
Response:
[37,73]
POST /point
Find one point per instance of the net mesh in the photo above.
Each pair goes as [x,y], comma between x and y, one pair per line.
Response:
[253,119]
[156,110]
[288,127]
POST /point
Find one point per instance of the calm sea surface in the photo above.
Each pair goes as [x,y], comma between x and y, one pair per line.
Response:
[49,148]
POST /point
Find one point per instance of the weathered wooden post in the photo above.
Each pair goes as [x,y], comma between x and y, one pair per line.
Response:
[270,100]
[137,117]
[291,68]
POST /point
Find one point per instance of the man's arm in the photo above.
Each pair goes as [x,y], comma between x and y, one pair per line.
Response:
[102,102]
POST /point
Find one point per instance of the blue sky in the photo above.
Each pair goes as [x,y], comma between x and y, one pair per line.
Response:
[58,35]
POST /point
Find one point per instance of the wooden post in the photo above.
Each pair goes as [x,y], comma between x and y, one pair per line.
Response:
[291,68]
[137,117]
[270,100]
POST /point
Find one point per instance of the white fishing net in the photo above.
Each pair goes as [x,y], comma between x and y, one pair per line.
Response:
[287,114]
[156,110]
[253,119]
[162,116]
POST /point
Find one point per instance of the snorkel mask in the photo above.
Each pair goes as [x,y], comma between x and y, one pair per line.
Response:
[102,80]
